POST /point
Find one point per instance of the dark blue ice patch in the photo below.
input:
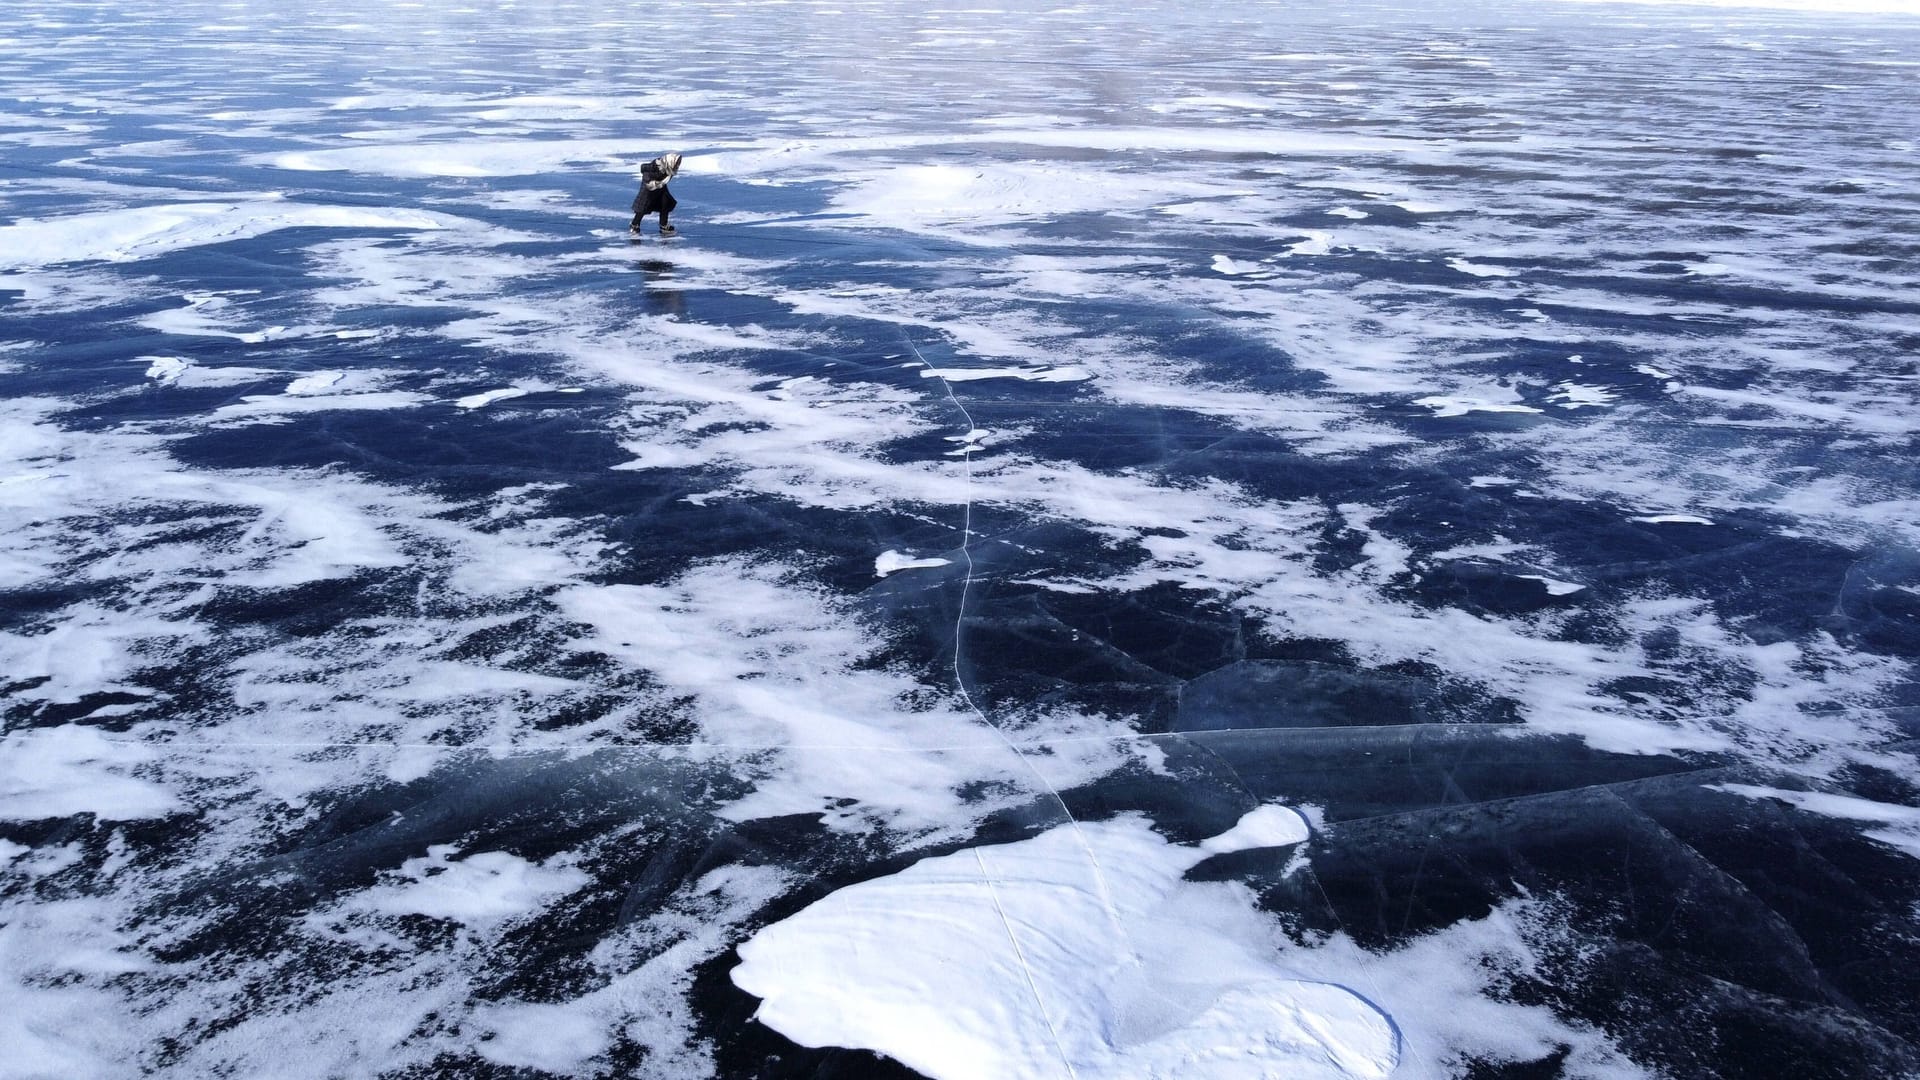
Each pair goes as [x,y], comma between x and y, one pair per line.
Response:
[1256,694]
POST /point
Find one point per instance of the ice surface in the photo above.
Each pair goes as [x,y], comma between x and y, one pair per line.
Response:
[1861,7]
[436,628]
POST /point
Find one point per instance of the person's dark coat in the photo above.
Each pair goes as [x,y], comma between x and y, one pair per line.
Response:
[654,196]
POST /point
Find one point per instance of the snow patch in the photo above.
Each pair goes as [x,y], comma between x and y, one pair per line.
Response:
[481,889]
[1902,823]
[488,397]
[892,562]
[143,232]
[1079,952]
[71,770]
[1445,405]
[1672,519]
[1481,269]
[1234,267]
[165,369]
[1554,586]
[1572,395]
[765,663]
[1041,374]
[317,383]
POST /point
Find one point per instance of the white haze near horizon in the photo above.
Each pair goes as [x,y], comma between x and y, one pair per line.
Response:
[423,176]
[1825,7]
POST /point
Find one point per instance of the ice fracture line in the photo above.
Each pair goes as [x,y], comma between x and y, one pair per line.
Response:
[1100,879]
[959,627]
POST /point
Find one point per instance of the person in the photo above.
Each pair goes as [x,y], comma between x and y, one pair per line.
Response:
[654,195]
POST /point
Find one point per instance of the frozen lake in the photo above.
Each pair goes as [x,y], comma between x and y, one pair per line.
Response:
[1274,539]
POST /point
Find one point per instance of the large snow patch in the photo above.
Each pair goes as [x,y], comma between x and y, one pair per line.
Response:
[1081,952]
